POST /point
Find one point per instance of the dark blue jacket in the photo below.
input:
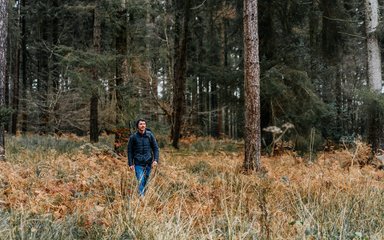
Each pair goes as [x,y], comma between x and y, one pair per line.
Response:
[142,149]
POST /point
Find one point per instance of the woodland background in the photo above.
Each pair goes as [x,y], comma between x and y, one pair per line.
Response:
[80,72]
[91,66]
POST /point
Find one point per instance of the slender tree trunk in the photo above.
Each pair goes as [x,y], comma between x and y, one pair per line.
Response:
[179,76]
[24,115]
[43,76]
[15,95]
[94,114]
[55,70]
[121,49]
[3,66]
[8,75]
[314,40]
[16,80]
[252,87]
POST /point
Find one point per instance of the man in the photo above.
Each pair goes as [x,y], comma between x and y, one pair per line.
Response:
[143,154]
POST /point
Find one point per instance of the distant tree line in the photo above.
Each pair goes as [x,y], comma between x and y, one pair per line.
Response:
[87,66]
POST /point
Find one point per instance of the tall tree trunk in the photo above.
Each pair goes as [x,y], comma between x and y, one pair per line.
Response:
[121,60]
[8,75]
[3,66]
[23,67]
[179,74]
[374,70]
[16,80]
[121,65]
[43,75]
[94,114]
[15,95]
[55,71]
[314,40]
[373,49]
[251,87]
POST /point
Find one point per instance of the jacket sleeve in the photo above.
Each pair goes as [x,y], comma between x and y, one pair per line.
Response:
[130,151]
[155,148]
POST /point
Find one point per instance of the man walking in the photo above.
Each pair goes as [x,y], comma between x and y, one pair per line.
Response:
[143,154]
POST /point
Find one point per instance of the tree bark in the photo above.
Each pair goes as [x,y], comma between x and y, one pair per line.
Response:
[43,75]
[24,115]
[179,75]
[3,66]
[121,65]
[373,70]
[251,87]
[373,48]
[16,80]
[94,114]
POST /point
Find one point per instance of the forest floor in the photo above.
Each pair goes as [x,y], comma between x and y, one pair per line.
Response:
[65,188]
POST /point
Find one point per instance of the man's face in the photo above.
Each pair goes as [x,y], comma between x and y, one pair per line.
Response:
[142,125]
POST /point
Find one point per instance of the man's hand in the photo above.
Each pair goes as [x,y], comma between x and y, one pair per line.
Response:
[154,164]
[132,167]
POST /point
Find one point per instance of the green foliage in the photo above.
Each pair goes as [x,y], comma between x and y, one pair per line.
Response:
[5,115]
[288,95]
[373,117]
[308,145]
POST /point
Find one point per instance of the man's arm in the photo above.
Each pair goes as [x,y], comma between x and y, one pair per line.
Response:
[155,149]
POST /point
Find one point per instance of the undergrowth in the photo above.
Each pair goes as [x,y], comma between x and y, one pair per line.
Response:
[54,189]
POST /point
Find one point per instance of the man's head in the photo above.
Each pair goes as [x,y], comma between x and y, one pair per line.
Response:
[141,124]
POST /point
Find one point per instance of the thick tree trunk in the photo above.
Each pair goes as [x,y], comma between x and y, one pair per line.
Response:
[121,65]
[179,77]
[374,70]
[252,87]
[3,66]
[373,48]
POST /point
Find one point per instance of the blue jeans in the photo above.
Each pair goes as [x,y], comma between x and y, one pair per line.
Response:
[142,175]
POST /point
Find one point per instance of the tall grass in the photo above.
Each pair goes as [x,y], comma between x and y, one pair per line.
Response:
[53,189]
[357,213]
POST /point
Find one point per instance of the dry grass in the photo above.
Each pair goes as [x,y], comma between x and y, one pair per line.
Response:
[194,194]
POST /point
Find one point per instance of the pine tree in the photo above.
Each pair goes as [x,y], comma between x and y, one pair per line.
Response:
[252,87]
[3,65]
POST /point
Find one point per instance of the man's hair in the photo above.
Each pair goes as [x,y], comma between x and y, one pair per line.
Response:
[140,120]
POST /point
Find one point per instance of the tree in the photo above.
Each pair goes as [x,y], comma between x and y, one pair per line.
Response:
[251,87]
[3,66]
[94,114]
[374,70]
[23,66]
[181,40]
[373,49]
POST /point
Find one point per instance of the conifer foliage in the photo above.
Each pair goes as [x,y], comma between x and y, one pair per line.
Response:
[91,66]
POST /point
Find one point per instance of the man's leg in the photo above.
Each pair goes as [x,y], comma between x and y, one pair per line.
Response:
[139,171]
[146,176]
